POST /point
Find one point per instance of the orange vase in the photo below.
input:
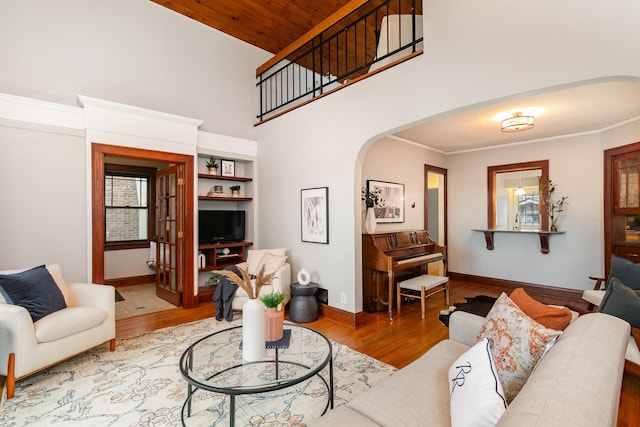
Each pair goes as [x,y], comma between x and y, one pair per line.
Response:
[274,324]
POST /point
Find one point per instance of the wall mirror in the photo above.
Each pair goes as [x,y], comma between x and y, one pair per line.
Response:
[515,202]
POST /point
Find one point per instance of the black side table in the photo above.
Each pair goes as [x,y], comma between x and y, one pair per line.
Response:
[303,306]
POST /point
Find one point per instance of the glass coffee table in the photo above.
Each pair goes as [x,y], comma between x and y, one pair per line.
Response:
[214,364]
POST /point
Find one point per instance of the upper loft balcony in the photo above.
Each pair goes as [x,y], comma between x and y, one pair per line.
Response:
[359,40]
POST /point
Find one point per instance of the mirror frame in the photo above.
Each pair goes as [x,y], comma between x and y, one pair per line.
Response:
[492,171]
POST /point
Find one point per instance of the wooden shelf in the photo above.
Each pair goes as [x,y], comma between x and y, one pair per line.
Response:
[215,260]
[226,199]
[544,237]
[224,178]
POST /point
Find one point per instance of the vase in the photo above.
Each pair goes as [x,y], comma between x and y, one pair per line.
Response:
[253,330]
[274,324]
[304,278]
[370,221]
[213,171]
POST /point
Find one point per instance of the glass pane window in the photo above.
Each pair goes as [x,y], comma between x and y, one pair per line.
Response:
[127,207]
[529,210]
[628,182]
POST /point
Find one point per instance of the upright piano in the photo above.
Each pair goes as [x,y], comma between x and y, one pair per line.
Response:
[391,257]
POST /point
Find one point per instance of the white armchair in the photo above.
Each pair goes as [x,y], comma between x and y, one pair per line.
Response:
[281,281]
[27,347]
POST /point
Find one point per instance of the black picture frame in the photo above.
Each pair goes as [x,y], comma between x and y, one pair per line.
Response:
[391,208]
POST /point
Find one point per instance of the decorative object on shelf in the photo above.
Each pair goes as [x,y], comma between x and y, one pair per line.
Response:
[253,311]
[304,278]
[275,315]
[371,199]
[212,164]
[516,222]
[235,190]
[553,204]
[226,251]
[216,191]
[391,204]
[202,260]
[228,168]
[314,209]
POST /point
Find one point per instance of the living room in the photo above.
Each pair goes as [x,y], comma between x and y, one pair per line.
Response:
[138,54]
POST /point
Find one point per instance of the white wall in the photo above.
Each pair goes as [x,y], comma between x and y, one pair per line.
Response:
[403,163]
[464,63]
[133,52]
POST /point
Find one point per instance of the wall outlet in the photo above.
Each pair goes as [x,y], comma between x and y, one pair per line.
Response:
[343,297]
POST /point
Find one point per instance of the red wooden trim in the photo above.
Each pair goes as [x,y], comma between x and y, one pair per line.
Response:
[11,376]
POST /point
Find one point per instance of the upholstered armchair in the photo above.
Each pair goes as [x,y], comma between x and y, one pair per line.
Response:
[272,259]
[28,346]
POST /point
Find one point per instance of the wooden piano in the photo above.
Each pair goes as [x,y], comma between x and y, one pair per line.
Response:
[391,257]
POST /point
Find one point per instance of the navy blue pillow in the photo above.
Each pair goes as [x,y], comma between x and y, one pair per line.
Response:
[625,271]
[34,290]
[621,301]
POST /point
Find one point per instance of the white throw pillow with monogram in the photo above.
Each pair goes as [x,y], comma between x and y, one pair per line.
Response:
[477,398]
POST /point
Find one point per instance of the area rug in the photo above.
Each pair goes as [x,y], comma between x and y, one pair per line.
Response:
[479,305]
[140,385]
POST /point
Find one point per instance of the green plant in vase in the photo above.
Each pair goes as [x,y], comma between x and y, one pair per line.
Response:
[212,164]
[274,315]
[235,190]
[554,204]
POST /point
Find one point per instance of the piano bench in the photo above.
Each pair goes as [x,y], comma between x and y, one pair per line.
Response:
[417,287]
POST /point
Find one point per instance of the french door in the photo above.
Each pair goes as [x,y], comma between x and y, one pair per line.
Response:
[170,229]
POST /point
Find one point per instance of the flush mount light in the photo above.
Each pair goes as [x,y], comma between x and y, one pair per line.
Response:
[517,123]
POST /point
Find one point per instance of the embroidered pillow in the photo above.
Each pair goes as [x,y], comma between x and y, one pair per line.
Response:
[550,317]
[33,289]
[271,262]
[477,398]
[517,343]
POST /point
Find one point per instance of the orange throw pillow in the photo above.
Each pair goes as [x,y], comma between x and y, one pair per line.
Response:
[550,317]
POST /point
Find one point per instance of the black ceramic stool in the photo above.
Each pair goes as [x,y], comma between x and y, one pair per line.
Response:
[303,306]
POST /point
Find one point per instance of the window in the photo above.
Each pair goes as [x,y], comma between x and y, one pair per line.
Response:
[529,210]
[129,212]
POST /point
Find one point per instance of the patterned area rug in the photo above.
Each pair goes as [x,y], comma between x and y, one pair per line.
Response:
[140,385]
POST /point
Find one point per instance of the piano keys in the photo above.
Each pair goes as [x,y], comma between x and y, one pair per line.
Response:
[391,257]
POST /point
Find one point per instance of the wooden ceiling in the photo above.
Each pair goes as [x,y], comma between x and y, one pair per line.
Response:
[269,24]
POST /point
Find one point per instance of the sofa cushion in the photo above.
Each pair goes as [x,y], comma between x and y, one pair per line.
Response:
[416,394]
[517,343]
[67,322]
[34,289]
[621,301]
[625,271]
[557,318]
[477,398]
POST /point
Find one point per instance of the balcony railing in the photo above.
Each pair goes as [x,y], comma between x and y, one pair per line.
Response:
[351,44]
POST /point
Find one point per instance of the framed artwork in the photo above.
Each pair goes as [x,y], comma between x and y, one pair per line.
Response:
[228,168]
[314,210]
[390,206]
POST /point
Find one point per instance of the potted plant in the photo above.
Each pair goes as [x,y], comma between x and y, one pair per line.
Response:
[553,204]
[235,190]
[212,164]
[275,315]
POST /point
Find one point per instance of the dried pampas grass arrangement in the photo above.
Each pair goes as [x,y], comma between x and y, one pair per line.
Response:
[252,289]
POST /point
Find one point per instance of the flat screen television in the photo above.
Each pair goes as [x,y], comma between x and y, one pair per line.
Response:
[220,226]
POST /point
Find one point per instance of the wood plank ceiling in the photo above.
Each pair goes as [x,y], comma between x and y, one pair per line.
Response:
[269,24]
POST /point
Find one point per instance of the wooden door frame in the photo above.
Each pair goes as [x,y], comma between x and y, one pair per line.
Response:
[98,153]
[609,203]
[443,172]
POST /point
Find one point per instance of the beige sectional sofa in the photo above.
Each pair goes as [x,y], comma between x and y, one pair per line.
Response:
[577,383]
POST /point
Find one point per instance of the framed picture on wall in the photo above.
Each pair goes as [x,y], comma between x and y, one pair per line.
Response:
[314,210]
[391,207]
[228,168]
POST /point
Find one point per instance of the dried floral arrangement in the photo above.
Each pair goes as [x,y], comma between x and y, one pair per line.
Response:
[252,289]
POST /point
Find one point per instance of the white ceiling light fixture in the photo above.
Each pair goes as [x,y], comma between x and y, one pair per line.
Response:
[517,123]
